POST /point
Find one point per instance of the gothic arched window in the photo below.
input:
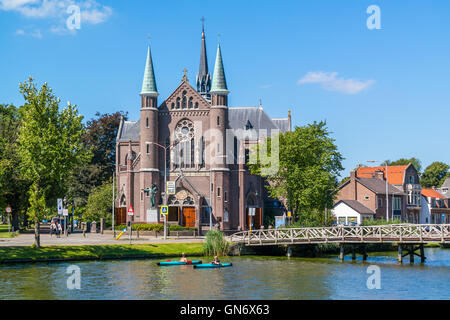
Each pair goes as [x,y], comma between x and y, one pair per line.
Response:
[196,105]
[178,103]
[184,100]
[173,105]
[191,102]
[184,133]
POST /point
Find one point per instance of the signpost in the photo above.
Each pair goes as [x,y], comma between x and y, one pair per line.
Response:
[165,212]
[171,189]
[60,206]
[130,213]
[65,214]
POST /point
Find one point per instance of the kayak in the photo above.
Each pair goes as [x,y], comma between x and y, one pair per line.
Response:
[211,265]
[177,263]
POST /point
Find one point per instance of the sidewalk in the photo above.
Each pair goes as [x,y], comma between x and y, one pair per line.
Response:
[90,239]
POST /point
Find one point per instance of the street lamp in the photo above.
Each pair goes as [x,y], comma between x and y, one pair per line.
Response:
[387,189]
[165,177]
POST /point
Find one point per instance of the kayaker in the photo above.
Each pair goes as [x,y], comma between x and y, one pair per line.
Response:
[183,258]
[216,260]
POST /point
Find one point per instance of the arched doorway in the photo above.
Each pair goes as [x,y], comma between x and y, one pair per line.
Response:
[182,209]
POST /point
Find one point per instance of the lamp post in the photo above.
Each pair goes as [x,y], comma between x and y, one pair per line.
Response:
[387,188]
[165,178]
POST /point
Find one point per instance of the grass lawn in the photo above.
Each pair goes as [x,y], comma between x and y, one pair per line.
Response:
[98,252]
[3,228]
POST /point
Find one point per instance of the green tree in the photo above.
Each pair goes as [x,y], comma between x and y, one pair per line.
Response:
[403,162]
[49,147]
[12,187]
[434,175]
[99,204]
[100,137]
[308,168]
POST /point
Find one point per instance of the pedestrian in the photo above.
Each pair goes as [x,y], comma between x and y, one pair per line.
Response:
[52,228]
[58,231]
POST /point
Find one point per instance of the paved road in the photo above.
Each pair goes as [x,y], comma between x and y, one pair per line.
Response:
[90,239]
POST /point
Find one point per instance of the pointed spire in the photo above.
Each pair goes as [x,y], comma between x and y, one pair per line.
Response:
[203,77]
[149,82]
[219,82]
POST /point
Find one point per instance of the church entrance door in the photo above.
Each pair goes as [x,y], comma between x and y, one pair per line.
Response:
[188,217]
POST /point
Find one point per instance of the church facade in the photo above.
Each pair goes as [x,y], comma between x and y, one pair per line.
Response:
[197,142]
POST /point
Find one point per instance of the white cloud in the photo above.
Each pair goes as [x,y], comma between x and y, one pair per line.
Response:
[331,82]
[33,33]
[91,11]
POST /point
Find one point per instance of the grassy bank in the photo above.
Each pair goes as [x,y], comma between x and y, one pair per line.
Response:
[97,252]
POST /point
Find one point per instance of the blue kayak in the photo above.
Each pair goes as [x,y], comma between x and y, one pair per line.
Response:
[177,263]
[211,265]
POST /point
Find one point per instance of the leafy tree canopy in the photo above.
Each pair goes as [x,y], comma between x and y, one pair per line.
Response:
[403,162]
[435,175]
[308,168]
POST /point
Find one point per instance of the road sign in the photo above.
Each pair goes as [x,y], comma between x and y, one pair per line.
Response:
[131,211]
[60,206]
[171,189]
[165,210]
[289,214]
[251,211]
[8,210]
[65,212]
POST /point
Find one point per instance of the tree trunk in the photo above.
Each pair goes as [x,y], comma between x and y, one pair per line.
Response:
[37,235]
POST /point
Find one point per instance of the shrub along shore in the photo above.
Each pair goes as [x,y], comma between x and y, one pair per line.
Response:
[98,252]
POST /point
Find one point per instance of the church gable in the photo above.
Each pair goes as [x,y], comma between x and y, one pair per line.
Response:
[184,98]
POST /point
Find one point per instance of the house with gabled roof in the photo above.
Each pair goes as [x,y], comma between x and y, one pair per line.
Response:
[365,198]
[404,178]
[435,207]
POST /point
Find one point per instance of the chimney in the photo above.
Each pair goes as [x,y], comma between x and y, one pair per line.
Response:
[353,182]
[352,175]
[379,174]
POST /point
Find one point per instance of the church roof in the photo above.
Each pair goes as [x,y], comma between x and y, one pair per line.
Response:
[241,117]
[149,82]
[219,82]
[129,130]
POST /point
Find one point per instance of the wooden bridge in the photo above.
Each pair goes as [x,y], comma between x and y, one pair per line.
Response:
[411,237]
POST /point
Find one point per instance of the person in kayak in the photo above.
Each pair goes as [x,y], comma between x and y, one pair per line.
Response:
[183,258]
[216,260]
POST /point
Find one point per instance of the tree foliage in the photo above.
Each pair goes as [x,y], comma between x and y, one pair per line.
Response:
[309,165]
[403,162]
[99,203]
[100,137]
[434,175]
[49,147]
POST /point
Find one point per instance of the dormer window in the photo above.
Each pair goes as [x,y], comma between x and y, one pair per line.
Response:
[248,126]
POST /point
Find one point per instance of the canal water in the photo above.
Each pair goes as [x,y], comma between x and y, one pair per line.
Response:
[249,278]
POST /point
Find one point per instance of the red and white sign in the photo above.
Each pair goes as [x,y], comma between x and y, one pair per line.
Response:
[8,210]
[130,211]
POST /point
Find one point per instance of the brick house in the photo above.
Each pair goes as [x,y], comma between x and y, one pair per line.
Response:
[404,178]
[367,198]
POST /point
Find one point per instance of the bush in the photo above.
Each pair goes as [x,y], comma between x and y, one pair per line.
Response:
[215,244]
[180,228]
[142,227]
[379,222]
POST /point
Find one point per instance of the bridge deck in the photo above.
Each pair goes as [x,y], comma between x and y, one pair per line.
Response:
[407,233]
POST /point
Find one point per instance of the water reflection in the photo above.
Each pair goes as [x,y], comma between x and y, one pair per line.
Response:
[249,278]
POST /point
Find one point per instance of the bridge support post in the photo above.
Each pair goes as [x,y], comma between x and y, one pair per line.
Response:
[422,254]
[411,254]
[364,252]
[353,252]
[400,253]
[341,252]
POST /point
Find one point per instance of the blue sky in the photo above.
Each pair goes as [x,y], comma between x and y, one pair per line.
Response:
[384,93]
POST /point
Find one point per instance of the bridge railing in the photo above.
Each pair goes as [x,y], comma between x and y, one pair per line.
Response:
[414,233]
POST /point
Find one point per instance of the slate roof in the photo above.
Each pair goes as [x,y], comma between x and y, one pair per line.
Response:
[129,130]
[445,185]
[357,206]
[237,119]
[379,186]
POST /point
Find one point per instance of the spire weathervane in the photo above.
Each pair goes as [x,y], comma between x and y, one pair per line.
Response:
[203,23]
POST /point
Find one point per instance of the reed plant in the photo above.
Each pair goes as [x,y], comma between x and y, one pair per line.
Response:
[216,244]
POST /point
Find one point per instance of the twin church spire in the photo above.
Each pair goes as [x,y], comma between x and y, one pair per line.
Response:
[204,83]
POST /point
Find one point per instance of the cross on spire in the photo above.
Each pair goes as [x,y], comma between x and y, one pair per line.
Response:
[184,75]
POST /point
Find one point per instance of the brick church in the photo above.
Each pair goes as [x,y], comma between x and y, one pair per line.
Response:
[193,135]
